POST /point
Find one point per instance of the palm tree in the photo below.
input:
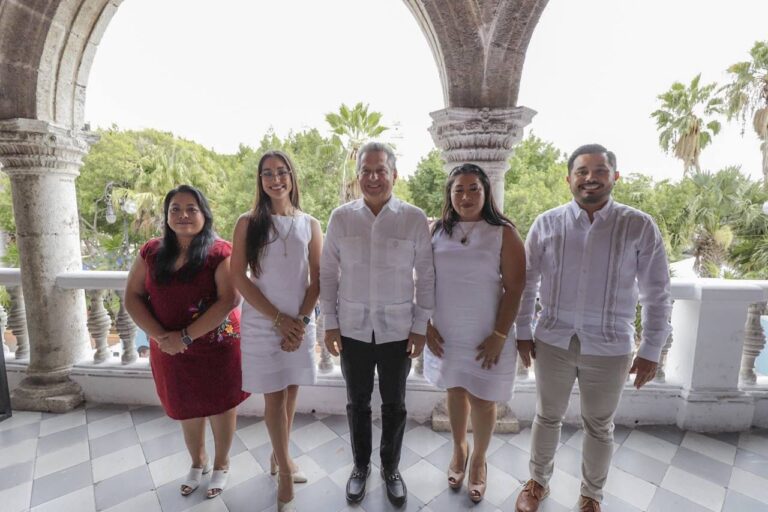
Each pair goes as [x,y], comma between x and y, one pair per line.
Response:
[747,96]
[356,126]
[160,169]
[718,202]
[682,120]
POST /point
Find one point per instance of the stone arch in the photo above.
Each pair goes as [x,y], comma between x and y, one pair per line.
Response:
[479,47]
[46,52]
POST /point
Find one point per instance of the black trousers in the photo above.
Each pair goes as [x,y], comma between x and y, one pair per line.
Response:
[358,362]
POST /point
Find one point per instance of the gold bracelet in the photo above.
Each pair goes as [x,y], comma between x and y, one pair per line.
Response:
[500,334]
[276,321]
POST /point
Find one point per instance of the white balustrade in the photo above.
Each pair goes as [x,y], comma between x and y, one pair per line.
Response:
[709,380]
[96,283]
[16,317]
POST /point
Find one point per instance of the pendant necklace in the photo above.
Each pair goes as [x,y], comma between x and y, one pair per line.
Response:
[465,239]
[285,238]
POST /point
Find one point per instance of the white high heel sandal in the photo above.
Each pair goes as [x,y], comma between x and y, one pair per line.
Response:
[193,479]
[298,476]
[218,482]
[286,506]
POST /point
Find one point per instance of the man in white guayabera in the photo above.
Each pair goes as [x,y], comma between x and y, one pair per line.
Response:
[376,309]
[589,261]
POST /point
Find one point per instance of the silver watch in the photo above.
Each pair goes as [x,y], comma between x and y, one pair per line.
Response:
[186,339]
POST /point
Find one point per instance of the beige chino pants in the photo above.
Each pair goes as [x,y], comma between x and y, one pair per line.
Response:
[601,381]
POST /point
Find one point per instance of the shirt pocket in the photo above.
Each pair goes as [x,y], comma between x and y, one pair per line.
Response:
[398,318]
[400,252]
[351,316]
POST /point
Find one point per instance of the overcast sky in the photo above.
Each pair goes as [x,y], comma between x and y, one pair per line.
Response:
[223,73]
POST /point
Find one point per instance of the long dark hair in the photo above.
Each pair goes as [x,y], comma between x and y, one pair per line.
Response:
[261,231]
[198,248]
[490,212]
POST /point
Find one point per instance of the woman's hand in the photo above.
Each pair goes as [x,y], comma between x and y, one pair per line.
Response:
[171,344]
[527,351]
[292,331]
[434,340]
[489,351]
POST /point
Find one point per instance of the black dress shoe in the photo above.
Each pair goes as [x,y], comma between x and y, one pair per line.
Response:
[356,483]
[397,492]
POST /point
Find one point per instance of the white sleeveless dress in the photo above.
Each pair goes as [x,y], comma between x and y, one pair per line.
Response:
[467,292]
[283,281]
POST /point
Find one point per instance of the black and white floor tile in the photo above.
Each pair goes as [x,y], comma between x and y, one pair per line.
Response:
[125,459]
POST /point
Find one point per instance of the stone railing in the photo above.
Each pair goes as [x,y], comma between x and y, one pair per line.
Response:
[15,319]
[97,284]
[707,374]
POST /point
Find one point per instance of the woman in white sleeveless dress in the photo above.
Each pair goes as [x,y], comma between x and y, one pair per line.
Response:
[471,351]
[279,246]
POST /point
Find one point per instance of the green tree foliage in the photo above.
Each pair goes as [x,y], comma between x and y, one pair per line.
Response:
[355,126]
[318,161]
[749,252]
[428,183]
[138,167]
[685,120]
[746,96]
[535,182]
[716,203]
[666,202]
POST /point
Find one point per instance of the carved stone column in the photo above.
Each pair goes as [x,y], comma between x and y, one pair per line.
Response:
[482,136]
[43,161]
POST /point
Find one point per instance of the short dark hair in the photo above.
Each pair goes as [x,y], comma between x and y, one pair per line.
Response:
[590,149]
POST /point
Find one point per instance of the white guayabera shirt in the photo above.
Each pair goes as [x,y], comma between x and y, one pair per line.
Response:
[376,272]
[590,276]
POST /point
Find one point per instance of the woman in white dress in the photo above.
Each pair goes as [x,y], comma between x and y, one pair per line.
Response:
[479,279]
[276,265]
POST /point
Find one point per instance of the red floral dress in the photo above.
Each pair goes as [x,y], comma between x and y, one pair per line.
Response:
[206,379]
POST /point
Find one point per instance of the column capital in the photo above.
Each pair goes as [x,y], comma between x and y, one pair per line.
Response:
[478,135]
[31,146]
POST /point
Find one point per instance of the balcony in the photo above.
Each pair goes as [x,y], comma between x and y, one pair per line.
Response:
[694,439]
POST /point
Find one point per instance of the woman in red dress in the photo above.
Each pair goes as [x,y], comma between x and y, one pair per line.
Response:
[180,294]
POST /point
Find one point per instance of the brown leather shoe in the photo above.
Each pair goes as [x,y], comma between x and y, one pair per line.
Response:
[587,504]
[529,498]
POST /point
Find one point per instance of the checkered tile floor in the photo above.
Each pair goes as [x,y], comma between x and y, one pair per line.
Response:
[117,458]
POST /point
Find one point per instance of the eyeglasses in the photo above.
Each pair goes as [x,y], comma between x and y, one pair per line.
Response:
[268,175]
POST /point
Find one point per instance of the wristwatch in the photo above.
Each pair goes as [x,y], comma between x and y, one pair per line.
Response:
[305,319]
[186,339]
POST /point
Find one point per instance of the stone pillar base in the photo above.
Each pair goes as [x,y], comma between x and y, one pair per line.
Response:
[715,411]
[506,422]
[40,394]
